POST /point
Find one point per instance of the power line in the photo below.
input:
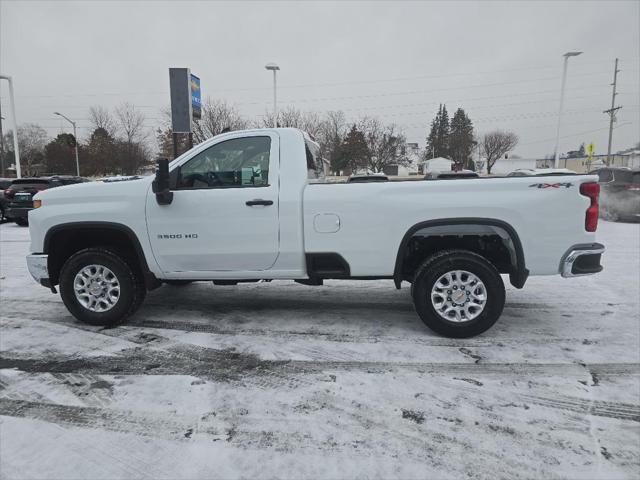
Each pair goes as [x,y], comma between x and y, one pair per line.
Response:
[574,134]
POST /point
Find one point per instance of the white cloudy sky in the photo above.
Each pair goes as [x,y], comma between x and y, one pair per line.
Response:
[501,61]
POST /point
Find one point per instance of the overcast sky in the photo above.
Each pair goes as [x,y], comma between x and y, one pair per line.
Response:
[500,61]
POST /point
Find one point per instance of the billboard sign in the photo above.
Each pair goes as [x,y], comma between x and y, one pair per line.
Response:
[180,86]
[196,98]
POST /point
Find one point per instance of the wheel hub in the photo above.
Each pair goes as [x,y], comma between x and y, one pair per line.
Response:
[459,296]
[96,288]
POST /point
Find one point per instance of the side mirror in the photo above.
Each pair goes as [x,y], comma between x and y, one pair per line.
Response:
[160,186]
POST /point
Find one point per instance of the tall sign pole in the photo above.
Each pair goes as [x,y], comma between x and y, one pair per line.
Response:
[16,148]
[612,111]
[556,153]
[1,145]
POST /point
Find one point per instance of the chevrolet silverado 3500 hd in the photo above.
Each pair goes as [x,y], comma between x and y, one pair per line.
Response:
[252,205]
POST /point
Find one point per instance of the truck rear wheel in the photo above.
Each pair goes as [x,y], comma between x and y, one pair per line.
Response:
[458,293]
[100,288]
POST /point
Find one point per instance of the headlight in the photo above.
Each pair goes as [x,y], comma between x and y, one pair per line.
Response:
[37,203]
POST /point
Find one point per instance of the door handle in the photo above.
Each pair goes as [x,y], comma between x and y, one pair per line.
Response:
[258,201]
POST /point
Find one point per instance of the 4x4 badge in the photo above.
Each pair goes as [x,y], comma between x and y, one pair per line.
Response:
[551,185]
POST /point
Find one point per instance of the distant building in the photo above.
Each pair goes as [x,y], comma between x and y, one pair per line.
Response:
[583,165]
[507,165]
[438,164]
[412,152]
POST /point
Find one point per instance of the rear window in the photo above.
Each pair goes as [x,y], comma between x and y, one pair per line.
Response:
[21,185]
[605,175]
[30,181]
[315,166]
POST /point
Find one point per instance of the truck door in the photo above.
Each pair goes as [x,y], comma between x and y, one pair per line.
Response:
[224,213]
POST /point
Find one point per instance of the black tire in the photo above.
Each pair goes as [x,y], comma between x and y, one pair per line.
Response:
[439,264]
[178,283]
[23,222]
[132,288]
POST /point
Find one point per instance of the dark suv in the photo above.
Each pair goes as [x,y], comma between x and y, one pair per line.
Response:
[619,193]
[19,195]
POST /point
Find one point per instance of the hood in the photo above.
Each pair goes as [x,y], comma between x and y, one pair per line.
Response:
[112,187]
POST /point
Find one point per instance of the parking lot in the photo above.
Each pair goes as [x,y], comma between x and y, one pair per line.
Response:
[338,381]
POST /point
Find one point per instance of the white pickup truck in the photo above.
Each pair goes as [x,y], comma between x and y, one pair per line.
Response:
[253,205]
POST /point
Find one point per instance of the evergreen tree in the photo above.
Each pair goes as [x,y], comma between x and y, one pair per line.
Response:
[437,140]
[443,134]
[432,138]
[461,140]
[60,156]
[353,153]
[101,154]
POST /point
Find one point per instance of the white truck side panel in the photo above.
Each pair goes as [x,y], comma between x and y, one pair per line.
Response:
[375,216]
[122,203]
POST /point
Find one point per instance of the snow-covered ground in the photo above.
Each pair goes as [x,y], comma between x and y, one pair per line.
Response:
[339,381]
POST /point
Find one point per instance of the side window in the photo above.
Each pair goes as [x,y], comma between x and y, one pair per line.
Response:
[240,162]
[315,166]
[605,175]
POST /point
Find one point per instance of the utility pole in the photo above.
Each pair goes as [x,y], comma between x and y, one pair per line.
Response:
[612,110]
[273,67]
[16,147]
[1,145]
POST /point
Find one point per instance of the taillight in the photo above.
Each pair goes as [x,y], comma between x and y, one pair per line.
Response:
[8,193]
[591,190]
[635,187]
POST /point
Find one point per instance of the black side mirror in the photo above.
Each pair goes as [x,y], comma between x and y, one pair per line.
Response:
[160,186]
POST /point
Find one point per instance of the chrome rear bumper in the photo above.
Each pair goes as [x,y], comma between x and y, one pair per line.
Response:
[582,260]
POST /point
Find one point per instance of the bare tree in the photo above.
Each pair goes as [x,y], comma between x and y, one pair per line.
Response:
[385,144]
[495,144]
[217,116]
[32,139]
[131,122]
[100,117]
[331,133]
[291,117]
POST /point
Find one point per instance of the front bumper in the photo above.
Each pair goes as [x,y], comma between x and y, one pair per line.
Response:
[582,260]
[37,265]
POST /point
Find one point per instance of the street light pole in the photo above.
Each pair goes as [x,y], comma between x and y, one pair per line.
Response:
[274,68]
[75,136]
[16,149]
[566,56]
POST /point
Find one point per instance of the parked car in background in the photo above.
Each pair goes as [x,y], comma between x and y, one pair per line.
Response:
[366,178]
[435,175]
[4,184]
[19,195]
[533,172]
[619,193]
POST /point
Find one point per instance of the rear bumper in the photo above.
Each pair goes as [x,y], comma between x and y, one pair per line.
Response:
[17,212]
[37,265]
[582,260]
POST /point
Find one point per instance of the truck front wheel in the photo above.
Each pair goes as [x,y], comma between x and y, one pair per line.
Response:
[100,288]
[458,293]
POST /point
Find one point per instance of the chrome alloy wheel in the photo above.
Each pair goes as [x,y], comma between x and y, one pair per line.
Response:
[459,296]
[96,288]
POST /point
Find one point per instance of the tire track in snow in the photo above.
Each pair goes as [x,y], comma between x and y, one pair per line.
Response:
[214,326]
[172,427]
[621,411]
